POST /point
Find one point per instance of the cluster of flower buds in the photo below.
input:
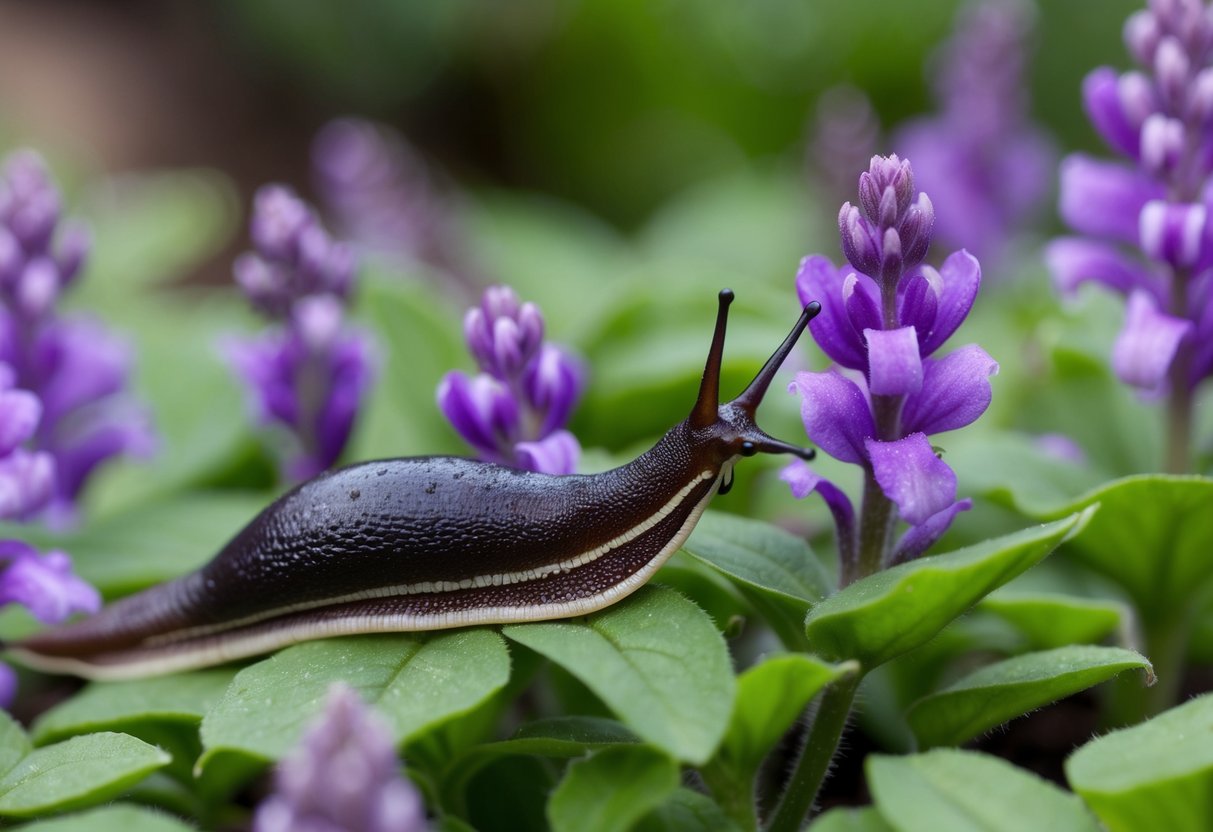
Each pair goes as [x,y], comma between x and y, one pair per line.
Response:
[988,167]
[1147,224]
[514,411]
[893,231]
[310,371]
[890,392]
[343,775]
[74,367]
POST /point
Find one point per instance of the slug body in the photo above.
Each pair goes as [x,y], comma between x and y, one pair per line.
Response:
[429,543]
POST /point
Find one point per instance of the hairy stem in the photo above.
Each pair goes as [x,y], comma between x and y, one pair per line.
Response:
[815,757]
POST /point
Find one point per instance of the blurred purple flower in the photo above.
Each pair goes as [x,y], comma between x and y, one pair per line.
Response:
[310,372]
[1146,223]
[73,365]
[986,166]
[845,134]
[343,776]
[384,196]
[514,411]
[891,391]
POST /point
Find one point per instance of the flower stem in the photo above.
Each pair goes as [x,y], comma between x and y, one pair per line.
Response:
[816,755]
[875,521]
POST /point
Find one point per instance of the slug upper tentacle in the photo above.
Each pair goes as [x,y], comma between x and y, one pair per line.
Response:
[430,543]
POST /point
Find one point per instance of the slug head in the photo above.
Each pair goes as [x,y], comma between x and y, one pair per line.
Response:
[724,431]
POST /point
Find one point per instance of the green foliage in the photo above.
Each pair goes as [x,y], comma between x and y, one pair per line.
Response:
[117,818]
[611,790]
[1157,775]
[656,660]
[1004,690]
[961,791]
[892,612]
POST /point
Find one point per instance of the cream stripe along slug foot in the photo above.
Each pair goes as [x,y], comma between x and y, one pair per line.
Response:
[430,543]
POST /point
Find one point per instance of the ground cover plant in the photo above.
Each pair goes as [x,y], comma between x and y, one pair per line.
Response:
[985,604]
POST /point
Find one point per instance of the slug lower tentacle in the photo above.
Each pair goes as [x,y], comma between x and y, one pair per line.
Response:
[430,543]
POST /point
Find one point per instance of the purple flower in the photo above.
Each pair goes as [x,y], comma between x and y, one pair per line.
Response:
[514,411]
[343,776]
[383,195]
[986,166]
[46,586]
[76,368]
[1146,220]
[891,391]
[310,372]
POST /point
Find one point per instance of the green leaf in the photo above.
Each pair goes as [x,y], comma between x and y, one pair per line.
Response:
[612,790]
[1004,690]
[116,818]
[770,697]
[1157,775]
[1152,536]
[415,682]
[1054,620]
[182,698]
[686,811]
[774,569]
[892,612]
[73,774]
[866,819]
[655,659]
[947,790]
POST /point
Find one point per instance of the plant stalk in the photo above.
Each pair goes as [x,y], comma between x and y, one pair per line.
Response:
[816,755]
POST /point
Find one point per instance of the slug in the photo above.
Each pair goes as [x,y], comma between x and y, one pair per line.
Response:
[430,543]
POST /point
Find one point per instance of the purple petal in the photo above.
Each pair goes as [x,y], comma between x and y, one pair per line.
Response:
[47,587]
[1077,260]
[836,414]
[20,411]
[918,538]
[1101,97]
[959,280]
[119,428]
[279,217]
[1146,346]
[1104,199]
[861,297]
[350,372]
[481,410]
[894,362]
[955,391]
[803,481]
[912,476]
[27,482]
[317,319]
[554,454]
[267,365]
[818,280]
[919,300]
[8,686]
[1174,233]
[79,362]
[553,382]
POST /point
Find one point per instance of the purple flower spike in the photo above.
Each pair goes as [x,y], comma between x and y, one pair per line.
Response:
[75,369]
[343,776]
[515,411]
[311,371]
[987,168]
[1147,217]
[877,413]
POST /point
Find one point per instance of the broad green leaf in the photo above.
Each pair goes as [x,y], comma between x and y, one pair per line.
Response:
[656,660]
[774,569]
[892,612]
[612,790]
[947,790]
[770,697]
[686,811]
[77,773]
[866,819]
[415,682]
[1157,775]
[116,818]
[126,552]
[1054,620]
[1004,690]
[1152,536]
[183,698]
[759,556]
